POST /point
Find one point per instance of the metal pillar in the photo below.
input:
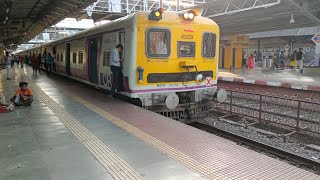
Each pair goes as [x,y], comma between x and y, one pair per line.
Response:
[258,53]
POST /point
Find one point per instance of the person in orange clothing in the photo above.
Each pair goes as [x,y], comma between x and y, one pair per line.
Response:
[23,96]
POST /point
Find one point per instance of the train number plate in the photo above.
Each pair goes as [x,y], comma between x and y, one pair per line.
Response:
[187,36]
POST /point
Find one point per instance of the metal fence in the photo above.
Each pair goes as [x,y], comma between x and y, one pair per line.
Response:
[301,115]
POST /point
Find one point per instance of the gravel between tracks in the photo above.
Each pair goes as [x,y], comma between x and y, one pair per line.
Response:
[290,146]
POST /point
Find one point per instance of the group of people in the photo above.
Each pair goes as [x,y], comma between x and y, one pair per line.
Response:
[279,60]
[22,97]
[45,59]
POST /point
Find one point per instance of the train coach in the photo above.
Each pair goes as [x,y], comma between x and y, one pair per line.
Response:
[170,58]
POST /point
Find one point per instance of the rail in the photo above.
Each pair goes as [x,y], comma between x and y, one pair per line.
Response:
[300,115]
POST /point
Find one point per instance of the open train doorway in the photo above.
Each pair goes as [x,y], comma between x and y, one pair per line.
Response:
[68,71]
[93,59]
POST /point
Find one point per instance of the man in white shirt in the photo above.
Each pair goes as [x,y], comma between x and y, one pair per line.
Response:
[115,63]
[7,61]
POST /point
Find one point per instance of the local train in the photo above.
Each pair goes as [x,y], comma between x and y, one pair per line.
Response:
[170,58]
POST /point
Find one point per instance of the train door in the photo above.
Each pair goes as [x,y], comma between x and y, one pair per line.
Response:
[68,59]
[93,59]
[121,40]
[54,55]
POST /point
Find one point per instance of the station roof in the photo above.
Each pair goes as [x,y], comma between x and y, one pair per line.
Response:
[20,21]
[251,16]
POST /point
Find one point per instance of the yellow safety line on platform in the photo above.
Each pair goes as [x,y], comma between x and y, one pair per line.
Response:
[203,169]
[117,167]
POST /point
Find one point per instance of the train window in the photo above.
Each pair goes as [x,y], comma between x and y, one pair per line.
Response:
[186,49]
[80,57]
[208,45]
[58,57]
[61,57]
[158,43]
[74,57]
[106,56]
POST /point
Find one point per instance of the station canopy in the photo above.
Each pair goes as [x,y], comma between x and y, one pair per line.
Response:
[21,20]
[251,16]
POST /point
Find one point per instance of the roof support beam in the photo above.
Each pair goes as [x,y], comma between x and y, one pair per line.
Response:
[304,11]
[63,2]
[226,8]
[62,9]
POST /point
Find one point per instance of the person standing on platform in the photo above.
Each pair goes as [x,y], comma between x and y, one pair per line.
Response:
[300,57]
[38,66]
[293,60]
[21,61]
[8,64]
[35,64]
[115,63]
[251,62]
[49,62]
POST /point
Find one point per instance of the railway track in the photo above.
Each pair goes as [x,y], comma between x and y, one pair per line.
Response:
[300,115]
[293,158]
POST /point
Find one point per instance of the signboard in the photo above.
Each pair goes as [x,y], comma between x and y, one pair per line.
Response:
[287,47]
[240,41]
[316,38]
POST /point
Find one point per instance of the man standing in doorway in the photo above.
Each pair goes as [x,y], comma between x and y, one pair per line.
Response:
[300,59]
[115,63]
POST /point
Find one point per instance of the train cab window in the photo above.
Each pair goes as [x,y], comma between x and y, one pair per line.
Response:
[61,57]
[80,57]
[74,57]
[208,45]
[158,43]
[186,49]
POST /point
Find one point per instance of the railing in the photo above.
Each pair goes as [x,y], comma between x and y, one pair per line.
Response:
[300,115]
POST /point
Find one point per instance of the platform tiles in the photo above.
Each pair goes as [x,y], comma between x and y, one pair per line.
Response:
[65,140]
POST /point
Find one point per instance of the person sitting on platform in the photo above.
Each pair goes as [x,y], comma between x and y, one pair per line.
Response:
[23,95]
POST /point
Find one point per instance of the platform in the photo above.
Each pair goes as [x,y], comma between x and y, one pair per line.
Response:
[75,132]
[309,80]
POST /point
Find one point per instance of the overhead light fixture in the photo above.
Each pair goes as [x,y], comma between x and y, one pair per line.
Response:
[4,21]
[7,18]
[292,21]
[7,10]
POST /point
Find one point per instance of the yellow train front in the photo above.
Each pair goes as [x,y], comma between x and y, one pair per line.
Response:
[176,58]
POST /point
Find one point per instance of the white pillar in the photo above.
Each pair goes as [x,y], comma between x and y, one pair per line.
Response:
[317,55]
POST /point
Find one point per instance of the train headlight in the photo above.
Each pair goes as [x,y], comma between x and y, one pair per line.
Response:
[186,15]
[199,78]
[189,16]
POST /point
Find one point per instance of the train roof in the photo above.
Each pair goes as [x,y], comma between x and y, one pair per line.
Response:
[168,16]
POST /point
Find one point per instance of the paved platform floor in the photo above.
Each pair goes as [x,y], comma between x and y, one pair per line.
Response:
[58,138]
[311,76]
[117,140]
